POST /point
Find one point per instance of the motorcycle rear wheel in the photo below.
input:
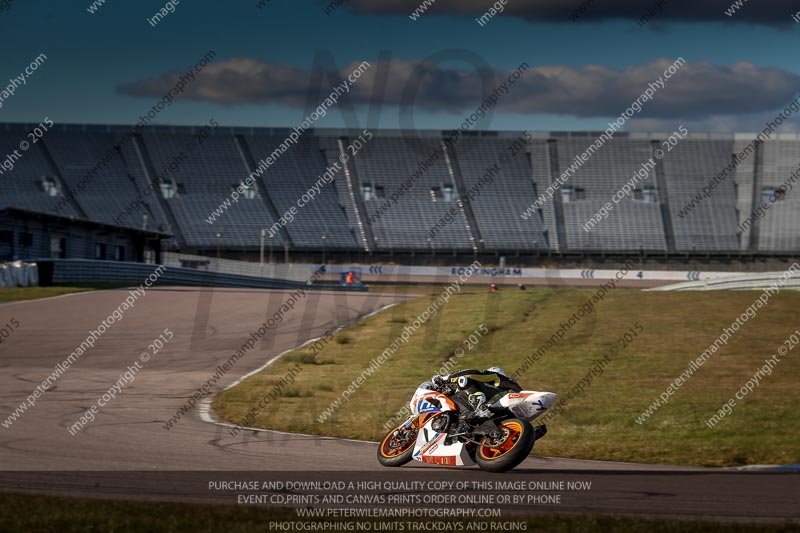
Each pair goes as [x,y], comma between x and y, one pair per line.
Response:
[509,450]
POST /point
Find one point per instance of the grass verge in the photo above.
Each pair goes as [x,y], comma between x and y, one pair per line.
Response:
[600,421]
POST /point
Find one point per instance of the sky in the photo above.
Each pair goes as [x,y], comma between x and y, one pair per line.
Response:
[274,62]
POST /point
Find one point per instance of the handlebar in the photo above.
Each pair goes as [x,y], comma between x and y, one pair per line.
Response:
[447,388]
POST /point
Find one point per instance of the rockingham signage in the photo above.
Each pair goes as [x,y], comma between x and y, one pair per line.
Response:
[397,271]
[491,272]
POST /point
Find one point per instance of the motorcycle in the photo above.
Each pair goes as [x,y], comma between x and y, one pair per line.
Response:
[443,430]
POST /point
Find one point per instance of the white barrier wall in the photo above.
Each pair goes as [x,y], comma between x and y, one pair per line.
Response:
[302,271]
[397,271]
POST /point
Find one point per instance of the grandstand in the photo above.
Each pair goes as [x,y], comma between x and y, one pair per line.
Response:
[497,206]
[380,170]
[169,181]
[288,179]
[713,225]
[636,224]
[778,230]
[31,184]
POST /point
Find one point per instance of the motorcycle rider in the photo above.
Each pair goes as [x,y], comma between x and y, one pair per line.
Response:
[481,387]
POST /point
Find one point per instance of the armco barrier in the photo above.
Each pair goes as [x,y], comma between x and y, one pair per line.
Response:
[295,272]
[59,271]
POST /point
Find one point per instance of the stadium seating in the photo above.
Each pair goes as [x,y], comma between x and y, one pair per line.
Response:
[363,209]
[745,181]
[22,186]
[608,169]
[499,196]
[712,225]
[290,177]
[204,176]
[387,162]
[111,194]
[146,185]
[778,228]
[630,227]
[633,225]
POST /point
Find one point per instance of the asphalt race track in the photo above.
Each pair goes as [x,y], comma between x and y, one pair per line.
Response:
[127,453]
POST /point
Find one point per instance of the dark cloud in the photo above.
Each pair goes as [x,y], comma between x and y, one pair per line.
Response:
[232,81]
[752,11]
[696,90]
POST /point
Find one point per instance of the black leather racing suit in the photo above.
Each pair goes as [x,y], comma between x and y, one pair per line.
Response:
[491,384]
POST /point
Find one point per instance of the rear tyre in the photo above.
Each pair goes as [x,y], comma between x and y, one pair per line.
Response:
[397,447]
[507,447]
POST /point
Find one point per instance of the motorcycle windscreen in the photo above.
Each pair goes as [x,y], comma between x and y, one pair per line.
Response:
[430,448]
[527,405]
[418,398]
[428,401]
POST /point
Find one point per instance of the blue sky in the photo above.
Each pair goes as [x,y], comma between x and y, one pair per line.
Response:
[91,56]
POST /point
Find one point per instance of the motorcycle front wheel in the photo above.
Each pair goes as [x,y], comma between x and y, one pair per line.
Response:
[397,449]
[507,447]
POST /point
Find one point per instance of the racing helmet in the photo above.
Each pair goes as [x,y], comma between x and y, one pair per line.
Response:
[497,370]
